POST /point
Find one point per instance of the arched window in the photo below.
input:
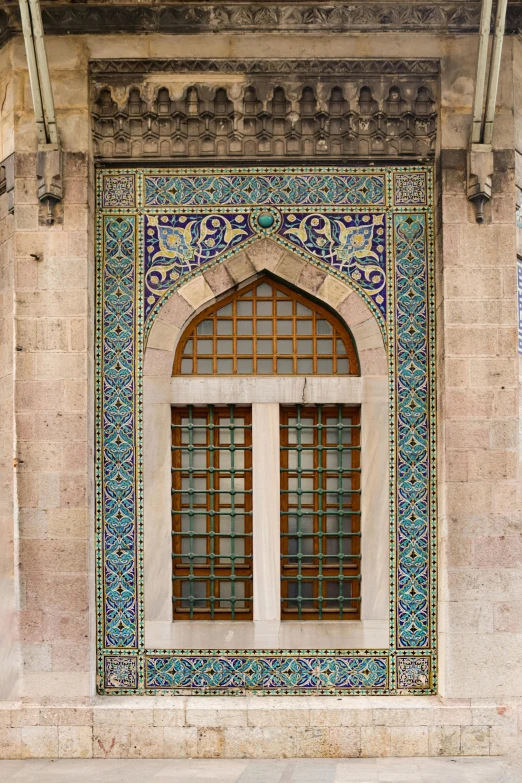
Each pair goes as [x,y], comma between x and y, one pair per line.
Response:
[266,489]
[266,329]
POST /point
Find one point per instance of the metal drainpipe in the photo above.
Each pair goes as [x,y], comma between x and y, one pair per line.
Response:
[43,71]
[33,72]
[494,72]
[49,158]
[480,153]
[482,64]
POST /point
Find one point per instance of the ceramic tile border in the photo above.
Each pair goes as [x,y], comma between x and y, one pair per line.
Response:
[129,239]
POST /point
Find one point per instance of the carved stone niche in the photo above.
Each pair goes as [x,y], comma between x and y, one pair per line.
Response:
[280,112]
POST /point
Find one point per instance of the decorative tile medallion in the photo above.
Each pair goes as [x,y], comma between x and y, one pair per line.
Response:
[371,228]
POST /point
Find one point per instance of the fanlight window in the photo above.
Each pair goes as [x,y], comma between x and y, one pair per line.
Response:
[266,329]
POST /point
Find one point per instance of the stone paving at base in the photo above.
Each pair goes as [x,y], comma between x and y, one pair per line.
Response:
[405,770]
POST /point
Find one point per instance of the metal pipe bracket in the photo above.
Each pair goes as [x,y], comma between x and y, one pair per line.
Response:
[479,177]
[49,176]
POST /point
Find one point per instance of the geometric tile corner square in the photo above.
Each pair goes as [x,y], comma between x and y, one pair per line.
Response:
[119,190]
[410,189]
[121,671]
[413,671]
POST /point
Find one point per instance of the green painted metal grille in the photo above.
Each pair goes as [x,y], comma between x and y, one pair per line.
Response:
[212,512]
[320,512]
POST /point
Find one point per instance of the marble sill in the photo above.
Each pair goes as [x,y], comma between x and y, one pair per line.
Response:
[197,635]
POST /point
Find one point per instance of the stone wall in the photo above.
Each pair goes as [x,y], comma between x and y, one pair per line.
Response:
[258,727]
[52,434]
[51,268]
[480,506]
[480,518]
[47,302]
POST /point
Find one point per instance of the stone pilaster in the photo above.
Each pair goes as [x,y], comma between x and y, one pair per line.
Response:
[53,281]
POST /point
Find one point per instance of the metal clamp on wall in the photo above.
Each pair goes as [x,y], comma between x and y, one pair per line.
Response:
[49,159]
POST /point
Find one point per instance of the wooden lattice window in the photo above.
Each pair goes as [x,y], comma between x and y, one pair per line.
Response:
[320,512]
[266,328]
[212,512]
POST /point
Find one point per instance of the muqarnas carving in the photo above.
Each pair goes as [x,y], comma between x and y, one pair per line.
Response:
[262,121]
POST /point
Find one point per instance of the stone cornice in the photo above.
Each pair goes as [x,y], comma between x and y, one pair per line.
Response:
[99,17]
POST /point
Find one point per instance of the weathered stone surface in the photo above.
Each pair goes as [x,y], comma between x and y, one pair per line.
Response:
[278,108]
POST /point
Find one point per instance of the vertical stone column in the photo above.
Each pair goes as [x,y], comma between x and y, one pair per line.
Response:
[9,660]
[53,278]
[480,519]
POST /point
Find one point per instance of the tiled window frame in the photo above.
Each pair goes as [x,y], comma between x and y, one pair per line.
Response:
[398,203]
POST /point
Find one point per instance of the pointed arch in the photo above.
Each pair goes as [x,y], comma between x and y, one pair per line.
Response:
[266,328]
[265,256]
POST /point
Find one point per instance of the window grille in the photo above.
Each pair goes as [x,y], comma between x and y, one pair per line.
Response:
[266,329]
[320,512]
[212,512]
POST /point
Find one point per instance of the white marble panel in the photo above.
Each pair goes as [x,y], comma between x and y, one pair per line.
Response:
[374,502]
[256,389]
[367,334]
[266,513]
[368,634]
[156,389]
[163,335]
[157,511]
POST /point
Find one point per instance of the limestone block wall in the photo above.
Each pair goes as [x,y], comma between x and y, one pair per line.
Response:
[51,393]
[517,76]
[50,387]
[480,519]
[254,727]
[49,705]
[480,510]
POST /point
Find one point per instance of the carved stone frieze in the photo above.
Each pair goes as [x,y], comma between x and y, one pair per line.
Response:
[105,16]
[271,66]
[292,109]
